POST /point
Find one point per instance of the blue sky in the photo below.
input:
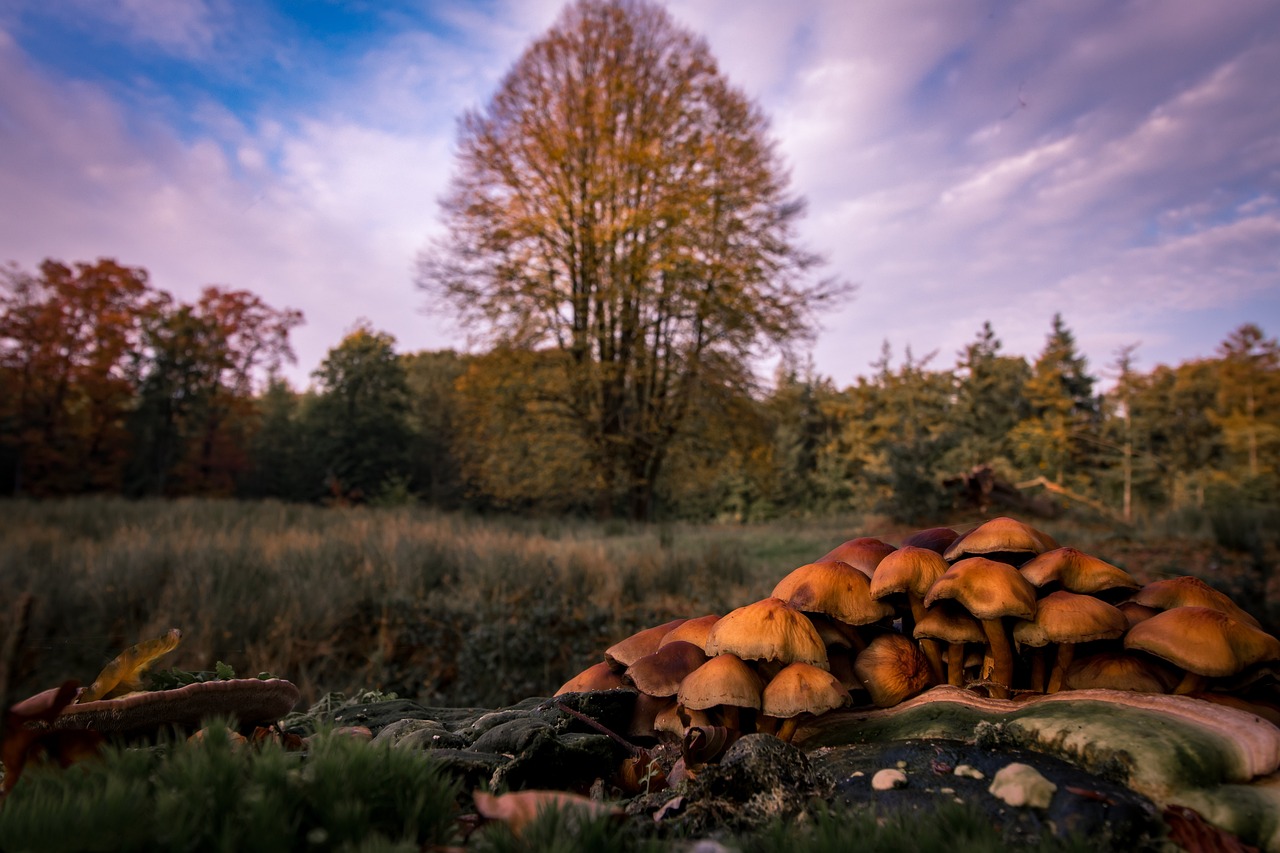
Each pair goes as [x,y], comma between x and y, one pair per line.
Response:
[963,160]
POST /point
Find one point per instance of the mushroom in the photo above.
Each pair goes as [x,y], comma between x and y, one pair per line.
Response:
[863,553]
[936,539]
[1066,618]
[724,682]
[600,676]
[626,652]
[950,623]
[907,574]
[835,589]
[692,631]
[1203,642]
[660,673]
[1076,571]
[771,630]
[892,668]
[990,591]
[1119,671]
[1187,590]
[1135,612]
[1003,539]
[801,689]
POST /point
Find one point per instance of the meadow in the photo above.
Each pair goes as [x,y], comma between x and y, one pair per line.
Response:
[447,609]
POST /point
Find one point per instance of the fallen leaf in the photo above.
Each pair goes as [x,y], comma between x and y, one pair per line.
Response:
[1190,831]
[27,733]
[518,809]
[124,674]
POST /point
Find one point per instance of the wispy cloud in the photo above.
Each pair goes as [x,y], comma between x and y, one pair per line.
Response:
[963,162]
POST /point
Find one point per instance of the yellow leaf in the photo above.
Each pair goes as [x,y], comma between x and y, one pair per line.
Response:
[123,675]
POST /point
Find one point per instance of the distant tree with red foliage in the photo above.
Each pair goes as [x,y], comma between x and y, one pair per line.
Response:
[68,337]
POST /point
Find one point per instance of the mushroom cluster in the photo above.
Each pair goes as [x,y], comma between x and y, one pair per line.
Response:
[1002,610]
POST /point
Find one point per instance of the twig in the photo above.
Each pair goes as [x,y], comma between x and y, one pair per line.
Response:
[600,727]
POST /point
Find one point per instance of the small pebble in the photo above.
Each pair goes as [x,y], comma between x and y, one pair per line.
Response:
[1022,785]
[968,771]
[888,779]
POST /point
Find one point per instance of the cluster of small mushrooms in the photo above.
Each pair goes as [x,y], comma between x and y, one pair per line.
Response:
[1002,610]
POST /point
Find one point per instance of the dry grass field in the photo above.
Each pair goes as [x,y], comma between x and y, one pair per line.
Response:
[445,609]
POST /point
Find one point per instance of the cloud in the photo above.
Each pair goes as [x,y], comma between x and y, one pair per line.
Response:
[983,161]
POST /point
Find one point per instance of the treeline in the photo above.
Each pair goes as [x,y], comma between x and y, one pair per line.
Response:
[109,385]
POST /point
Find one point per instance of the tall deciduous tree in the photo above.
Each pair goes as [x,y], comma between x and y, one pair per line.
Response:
[620,202]
[200,365]
[361,416]
[66,339]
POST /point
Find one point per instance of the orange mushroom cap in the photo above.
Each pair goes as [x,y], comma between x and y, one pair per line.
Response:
[1076,571]
[892,668]
[1203,641]
[1003,538]
[1068,617]
[907,570]
[723,680]
[834,588]
[660,673]
[986,588]
[1190,591]
[626,652]
[600,676]
[863,553]
[769,629]
[803,689]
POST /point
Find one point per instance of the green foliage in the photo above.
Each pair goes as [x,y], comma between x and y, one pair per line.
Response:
[360,419]
[212,795]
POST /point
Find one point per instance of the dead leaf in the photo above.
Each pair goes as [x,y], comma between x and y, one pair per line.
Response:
[518,809]
[27,733]
[124,674]
[1190,831]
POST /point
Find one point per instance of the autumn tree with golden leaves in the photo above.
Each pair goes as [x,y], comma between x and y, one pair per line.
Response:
[619,202]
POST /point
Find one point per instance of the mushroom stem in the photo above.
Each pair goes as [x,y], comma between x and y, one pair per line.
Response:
[1001,655]
[930,647]
[955,664]
[731,717]
[788,728]
[1037,670]
[1066,654]
[1190,683]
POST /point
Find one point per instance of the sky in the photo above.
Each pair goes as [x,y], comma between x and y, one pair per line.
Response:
[963,161]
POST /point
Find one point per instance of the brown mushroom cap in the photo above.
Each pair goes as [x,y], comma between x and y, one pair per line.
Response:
[803,689]
[1068,617]
[1006,539]
[626,652]
[1120,671]
[985,588]
[600,676]
[1203,641]
[769,629]
[1076,571]
[863,553]
[1135,612]
[1190,591]
[936,539]
[660,673]
[249,700]
[723,680]
[908,570]
[692,631]
[951,623]
[834,588]
[892,668]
